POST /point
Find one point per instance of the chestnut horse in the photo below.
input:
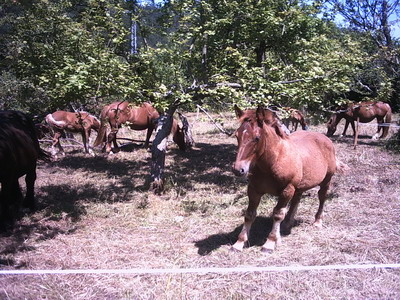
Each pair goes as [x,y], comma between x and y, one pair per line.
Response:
[19,152]
[295,118]
[79,122]
[281,165]
[137,118]
[363,112]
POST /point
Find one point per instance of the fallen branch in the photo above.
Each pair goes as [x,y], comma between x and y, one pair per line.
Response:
[132,140]
[215,123]
[66,139]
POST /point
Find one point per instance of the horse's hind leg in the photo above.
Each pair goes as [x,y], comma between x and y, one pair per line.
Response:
[250,216]
[56,143]
[85,140]
[112,138]
[380,128]
[148,136]
[322,193]
[30,179]
[10,199]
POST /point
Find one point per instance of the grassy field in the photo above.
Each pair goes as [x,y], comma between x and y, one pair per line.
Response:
[97,213]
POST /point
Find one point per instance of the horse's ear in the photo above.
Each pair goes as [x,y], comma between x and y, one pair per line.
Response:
[238,112]
[260,116]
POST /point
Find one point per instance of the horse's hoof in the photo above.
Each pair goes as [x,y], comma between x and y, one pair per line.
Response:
[317,224]
[266,250]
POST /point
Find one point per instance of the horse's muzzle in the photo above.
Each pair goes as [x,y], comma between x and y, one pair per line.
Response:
[240,169]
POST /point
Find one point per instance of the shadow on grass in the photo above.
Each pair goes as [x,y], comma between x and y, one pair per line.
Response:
[206,164]
[362,140]
[15,240]
[258,235]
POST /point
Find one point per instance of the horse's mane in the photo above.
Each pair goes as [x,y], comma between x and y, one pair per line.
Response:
[270,118]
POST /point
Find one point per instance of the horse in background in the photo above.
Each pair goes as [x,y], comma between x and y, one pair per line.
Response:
[74,122]
[19,152]
[295,117]
[142,117]
[363,112]
[281,165]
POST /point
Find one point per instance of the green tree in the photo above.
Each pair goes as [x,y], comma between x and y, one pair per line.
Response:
[75,51]
[369,21]
[277,51]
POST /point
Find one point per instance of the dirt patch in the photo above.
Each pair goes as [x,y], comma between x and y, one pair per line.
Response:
[97,213]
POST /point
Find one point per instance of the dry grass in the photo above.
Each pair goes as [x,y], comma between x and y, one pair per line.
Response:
[96,213]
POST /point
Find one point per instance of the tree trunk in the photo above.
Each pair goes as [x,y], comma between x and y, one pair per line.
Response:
[385,25]
[189,141]
[260,53]
[159,148]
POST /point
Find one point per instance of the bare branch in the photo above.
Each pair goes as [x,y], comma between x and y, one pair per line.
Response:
[214,122]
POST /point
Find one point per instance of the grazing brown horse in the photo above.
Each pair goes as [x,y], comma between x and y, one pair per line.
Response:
[281,165]
[19,152]
[363,112]
[137,118]
[295,118]
[80,122]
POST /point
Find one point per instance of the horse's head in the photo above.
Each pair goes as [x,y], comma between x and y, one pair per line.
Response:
[331,125]
[251,136]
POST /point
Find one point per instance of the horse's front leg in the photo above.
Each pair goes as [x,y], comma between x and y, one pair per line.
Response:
[346,126]
[148,136]
[288,223]
[250,216]
[279,212]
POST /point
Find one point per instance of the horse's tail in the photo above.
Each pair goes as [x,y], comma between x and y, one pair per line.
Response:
[341,167]
[101,134]
[53,122]
[388,119]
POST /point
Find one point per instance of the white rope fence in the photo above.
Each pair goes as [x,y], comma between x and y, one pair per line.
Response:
[139,271]
[383,125]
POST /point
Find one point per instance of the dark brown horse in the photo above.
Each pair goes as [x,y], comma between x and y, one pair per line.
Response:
[19,152]
[79,122]
[281,165]
[137,118]
[363,112]
[295,117]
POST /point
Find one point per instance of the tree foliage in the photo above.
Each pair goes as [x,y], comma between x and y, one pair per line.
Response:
[369,21]
[214,53]
[72,50]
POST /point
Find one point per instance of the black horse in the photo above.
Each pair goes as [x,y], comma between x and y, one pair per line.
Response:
[19,152]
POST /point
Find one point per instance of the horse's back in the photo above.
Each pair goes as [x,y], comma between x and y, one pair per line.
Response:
[317,153]
[19,147]
[369,110]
